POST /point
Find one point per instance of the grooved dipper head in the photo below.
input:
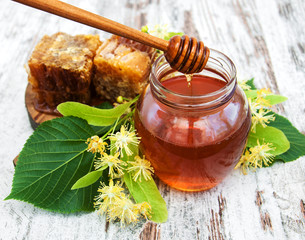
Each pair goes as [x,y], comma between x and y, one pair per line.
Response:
[187,55]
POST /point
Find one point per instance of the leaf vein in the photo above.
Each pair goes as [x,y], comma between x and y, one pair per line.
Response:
[47,174]
[84,129]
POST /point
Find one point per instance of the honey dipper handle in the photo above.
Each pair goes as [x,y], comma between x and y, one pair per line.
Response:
[82,16]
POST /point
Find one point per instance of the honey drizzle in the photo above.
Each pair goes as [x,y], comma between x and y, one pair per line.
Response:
[189,78]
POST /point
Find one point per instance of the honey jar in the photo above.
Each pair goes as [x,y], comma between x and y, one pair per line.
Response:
[193,129]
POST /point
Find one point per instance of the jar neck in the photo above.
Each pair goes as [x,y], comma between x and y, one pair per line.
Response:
[219,66]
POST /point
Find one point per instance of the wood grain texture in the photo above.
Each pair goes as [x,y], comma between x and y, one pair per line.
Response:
[88,18]
[265,39]
[35,117]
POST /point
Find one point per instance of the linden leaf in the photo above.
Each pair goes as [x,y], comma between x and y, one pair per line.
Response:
[269,135]
[171,34]
[101,130]
[52,159]
[94,116]
[250,83]
[89,178]
[275,99]
[251,93]
[296,139]
[105,105]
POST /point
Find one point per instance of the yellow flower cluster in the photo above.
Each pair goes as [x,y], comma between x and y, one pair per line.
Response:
[260,113]
[261,117]
[160,31]
[244,86]
[123,139]
[140,167]
[117,206]
[114,164]
[96,145]
[256,156]
[111,199]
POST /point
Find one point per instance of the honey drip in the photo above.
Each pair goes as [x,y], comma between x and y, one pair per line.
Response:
[189,78]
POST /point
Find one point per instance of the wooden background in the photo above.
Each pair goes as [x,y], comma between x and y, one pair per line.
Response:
[265,39]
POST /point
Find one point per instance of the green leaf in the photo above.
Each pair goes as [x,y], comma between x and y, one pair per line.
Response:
[94,116]
[296,139]
[269,135]
[171,34]
[101,130]
[275,99]
[250,83]
[251,93]
[167,35]
[105,105]
[272,98]
[52,159]
[144,29]
[89,178]
[146,191]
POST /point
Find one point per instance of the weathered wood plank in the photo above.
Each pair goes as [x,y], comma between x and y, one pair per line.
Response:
[265,39]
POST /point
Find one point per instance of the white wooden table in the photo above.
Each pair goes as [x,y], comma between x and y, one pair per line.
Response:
[265,39]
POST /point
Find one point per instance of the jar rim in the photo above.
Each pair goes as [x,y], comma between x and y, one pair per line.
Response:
[226,69]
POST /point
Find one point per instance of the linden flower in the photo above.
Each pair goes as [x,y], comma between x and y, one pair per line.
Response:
[123,139]
[263,92]
[120,100]
[258,103]
[261,117]
[260,99]
[244,86]
[260,154]
[256,156]
[244,162]
[160,31]
[144,209]
[108,196]
[96,144]
[262,102]
[254,106]
[124,210]
[114,164]
[140,167]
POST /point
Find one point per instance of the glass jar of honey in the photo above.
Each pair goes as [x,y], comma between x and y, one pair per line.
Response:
[193,130]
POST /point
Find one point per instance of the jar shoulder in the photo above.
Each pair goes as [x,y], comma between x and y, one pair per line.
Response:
[204,126]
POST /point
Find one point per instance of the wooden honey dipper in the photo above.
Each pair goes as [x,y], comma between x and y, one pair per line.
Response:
[184,54]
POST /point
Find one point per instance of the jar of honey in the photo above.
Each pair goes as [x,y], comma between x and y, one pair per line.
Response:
[193,129]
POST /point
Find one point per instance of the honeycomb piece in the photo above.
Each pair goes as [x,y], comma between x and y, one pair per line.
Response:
[61,69]
[122,68]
